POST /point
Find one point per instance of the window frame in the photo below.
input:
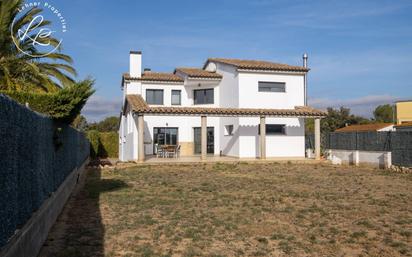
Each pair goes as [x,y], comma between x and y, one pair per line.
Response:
[267,86]
[228,132]
[154,90]
[204,90]
[283,128]
[180,97]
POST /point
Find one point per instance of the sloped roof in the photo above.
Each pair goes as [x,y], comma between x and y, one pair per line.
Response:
[364,127]
[198,73]
[139,105]
[404,124]
[257,65]
[155,76]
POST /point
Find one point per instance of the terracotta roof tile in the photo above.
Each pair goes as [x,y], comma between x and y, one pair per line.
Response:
[155,76]
[198,73]
[364,127]
[258,65]
[140,106]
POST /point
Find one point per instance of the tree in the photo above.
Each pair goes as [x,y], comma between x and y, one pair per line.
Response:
[107,125]
[19,71]
[384,113]
[63,106]
[80,123]
[336,118]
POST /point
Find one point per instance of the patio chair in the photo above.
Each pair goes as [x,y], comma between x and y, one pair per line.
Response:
[177,151]
[159,150]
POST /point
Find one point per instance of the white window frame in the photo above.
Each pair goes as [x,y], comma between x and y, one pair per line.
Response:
[267,85]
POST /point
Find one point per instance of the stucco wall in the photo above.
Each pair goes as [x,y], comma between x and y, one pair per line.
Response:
[229,97]
[292,144]
[185,125]
[404,111]
[249,97]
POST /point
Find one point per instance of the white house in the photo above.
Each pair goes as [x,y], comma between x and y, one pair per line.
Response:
[230,107]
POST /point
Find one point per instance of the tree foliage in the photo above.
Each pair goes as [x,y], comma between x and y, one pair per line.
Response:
[21,72]
[336,118]
[107,125]
[63,106]
[80,123]
[384,113]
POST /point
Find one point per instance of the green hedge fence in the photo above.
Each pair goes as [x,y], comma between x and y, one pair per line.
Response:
[103,144]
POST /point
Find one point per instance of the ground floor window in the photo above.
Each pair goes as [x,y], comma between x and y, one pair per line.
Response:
[228,130]
[274,129]
[165,136]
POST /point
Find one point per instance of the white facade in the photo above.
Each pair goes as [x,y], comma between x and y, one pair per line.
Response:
[236,88]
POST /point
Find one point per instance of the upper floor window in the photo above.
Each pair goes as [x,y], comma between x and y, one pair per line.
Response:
[265,86]
[203,96]
[176,97]
[154,96]
[274,129]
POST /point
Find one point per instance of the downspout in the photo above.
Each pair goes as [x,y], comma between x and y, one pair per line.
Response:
[305,80]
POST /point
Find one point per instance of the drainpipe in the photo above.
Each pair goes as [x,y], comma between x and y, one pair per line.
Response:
[305,82]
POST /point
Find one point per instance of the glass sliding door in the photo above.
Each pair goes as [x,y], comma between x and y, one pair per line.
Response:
[210,140]
[165,136]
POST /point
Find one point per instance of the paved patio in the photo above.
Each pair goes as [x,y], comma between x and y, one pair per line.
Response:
[214,158]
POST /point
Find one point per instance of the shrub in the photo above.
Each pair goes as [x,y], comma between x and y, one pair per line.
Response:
[103,144]
[94,140]
[62,106]
[110,143]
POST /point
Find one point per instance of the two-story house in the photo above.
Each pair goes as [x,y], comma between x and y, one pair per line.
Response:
[230,107]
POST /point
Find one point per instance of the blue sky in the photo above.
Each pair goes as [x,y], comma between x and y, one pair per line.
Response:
[360,52]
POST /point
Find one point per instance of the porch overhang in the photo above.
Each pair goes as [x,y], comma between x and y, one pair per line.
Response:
[139,106]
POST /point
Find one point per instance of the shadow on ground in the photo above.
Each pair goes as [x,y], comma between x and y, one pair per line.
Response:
[80,225]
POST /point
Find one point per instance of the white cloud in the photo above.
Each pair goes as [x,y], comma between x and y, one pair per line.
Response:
[363,106]
[99,107]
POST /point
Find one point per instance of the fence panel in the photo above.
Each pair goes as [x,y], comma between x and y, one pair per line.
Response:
[402,148]
[36,155]
[397,142]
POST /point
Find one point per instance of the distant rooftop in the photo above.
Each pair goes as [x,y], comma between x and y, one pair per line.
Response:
[364,127]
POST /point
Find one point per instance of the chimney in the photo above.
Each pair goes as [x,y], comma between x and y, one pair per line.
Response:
[135,69]
[305,82]
[305,60]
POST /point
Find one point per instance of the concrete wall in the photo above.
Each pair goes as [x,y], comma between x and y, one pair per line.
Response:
[373,158]
[28,240]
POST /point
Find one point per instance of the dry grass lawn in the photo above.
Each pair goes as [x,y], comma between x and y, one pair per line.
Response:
[270,209]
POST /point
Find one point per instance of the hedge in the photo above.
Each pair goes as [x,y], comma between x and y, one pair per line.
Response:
[63,105]
[103,144]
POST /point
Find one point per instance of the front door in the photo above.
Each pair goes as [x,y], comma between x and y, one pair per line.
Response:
[210,140]
[164,136]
